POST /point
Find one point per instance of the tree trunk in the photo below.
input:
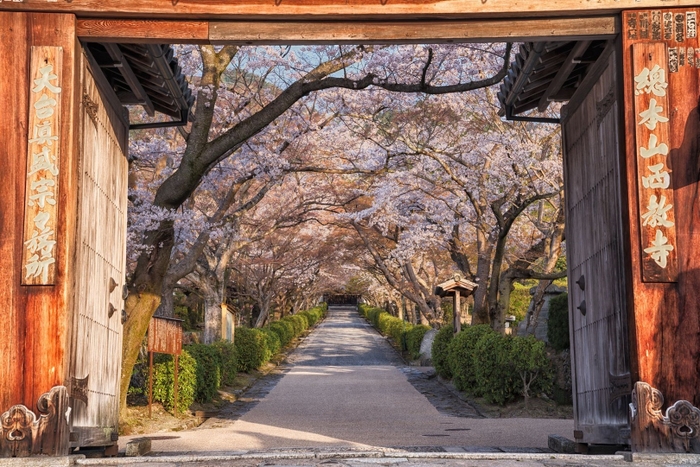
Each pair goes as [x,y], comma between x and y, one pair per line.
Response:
[212,317]
[480,314]
[140,309]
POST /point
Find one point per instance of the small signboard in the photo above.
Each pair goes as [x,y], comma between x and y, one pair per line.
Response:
[165,335]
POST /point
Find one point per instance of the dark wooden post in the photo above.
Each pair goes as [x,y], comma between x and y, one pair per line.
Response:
[457,318]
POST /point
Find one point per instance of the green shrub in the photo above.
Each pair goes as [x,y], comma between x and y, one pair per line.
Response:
[494,375]
[558,322]
[314,315]
[251,348]
[208,370]
[414,338]
[530,363]
[298,323]
[284,330]
[439,351]
[273,343]
[462,357]
[163,381]
[520,299]
[229,361]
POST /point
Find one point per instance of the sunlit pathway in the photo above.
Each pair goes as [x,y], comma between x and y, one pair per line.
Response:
[344,389]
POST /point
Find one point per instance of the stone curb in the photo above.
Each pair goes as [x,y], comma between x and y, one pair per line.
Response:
[344,455]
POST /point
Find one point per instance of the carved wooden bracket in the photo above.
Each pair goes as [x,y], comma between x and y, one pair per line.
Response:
[22,434]
[652,431]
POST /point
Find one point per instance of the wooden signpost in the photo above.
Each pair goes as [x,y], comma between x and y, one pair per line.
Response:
[164,336]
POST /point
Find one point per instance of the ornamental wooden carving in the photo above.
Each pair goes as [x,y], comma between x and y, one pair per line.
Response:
[23,434]
[652,431]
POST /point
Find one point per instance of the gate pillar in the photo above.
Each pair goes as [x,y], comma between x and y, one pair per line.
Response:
[661,63]
[38,196]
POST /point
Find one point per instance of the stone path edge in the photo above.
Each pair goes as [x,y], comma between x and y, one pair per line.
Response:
[80,460]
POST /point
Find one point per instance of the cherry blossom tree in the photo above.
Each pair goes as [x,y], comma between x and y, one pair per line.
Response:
[241,95]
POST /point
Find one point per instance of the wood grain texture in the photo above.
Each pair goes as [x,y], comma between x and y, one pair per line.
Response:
[251,32]
[666,316]
[659,258]
[43,161]
[335,9]
[13,149]
[99,272]
[600,351]
[47,324]
[154,32]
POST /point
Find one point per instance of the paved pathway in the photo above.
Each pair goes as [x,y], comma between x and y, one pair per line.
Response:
[346,388]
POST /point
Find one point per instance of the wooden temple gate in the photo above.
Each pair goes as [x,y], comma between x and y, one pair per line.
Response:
[628,69]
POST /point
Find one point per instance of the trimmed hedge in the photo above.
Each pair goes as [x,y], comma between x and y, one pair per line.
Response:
[461,355]
[485,363]
[204,368]
[414,338]
[208,372]
[163,381]
[440,353]
[404,335]
[229,361]
[251,348]
[255,347]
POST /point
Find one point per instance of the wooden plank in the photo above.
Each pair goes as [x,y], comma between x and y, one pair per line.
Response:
[327,32]
[595,250]
[165,335]
[100,264]
[656,199]
[47,327]
[13,150]
[338,9]
[666,331]
[145,31]
[43,161]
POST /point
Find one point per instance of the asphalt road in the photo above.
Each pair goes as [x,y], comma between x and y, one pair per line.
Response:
[346,388]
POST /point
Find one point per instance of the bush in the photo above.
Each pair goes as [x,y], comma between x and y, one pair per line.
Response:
[462,357]
[208,372]
[273,343]
[163,381]
[314,315]
[439,351]
[251,348]
[530,363]
[284,329]
[520,299]
[558,322]
[414,338]
[229,362]
[493,372]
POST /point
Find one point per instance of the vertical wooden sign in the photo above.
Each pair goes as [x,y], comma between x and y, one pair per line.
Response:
[43,152]
[656,199]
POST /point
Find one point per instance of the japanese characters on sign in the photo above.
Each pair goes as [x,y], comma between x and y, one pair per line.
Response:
[43,149]
[656,198]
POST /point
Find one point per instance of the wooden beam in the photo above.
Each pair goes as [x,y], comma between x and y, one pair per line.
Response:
[337,9]
[143,31]
[340,32]
[125,69]
[336,32]
[563,73]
